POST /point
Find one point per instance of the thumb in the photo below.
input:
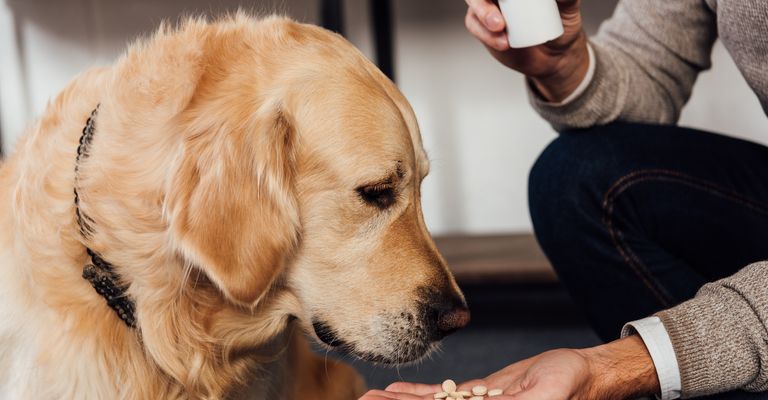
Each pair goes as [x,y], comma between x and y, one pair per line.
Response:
[413,388]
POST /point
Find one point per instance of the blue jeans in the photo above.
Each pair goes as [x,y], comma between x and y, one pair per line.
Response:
[635,218]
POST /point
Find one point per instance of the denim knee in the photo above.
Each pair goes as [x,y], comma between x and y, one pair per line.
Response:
[567,183]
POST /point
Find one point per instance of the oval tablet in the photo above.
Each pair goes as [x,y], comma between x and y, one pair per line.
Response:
[479,390]
[449,386]
[441,395]
[495,392]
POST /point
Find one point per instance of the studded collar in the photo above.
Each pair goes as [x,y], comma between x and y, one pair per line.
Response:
[100,273]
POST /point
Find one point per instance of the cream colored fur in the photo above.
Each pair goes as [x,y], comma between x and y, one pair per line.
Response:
[222,184]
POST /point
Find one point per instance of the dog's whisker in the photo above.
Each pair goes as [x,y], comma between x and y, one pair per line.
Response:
[185,275]
[197,278]
[325,362]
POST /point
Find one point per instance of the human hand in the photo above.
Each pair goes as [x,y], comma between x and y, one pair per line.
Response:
[416,391]
[556,68]
[404,391]
[618,370]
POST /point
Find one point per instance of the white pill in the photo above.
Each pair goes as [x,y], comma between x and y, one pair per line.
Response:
[465,393]
[449,386]
[495,392]
[476,398]
[479,390]
[441,395]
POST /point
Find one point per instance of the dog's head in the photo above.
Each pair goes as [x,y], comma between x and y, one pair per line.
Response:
[367,271]
[299,172]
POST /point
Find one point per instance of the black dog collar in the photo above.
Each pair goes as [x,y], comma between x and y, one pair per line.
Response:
[99,272]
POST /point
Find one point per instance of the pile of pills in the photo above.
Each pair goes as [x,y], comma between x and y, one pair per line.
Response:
[450,392]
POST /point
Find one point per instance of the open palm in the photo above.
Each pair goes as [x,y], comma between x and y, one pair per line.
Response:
[555,375]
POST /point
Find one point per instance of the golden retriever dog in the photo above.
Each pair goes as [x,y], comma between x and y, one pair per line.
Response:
[175,224]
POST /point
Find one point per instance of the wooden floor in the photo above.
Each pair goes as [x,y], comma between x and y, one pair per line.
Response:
[514,258]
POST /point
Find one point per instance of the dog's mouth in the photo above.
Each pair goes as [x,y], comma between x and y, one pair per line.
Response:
[406,345]
[327,335]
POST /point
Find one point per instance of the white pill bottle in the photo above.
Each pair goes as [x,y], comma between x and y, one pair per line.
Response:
[531,22]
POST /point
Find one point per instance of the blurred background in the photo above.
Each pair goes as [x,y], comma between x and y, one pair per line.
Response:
[481,135]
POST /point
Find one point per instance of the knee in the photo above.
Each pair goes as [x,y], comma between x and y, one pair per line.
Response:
[568,180]
[556,176]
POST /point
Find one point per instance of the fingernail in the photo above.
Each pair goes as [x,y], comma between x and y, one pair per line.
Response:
[494,20]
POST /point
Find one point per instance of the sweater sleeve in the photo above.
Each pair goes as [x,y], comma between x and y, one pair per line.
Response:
[720,337]
[648,57]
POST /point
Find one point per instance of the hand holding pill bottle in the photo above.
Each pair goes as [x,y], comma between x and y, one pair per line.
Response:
[531,22]
[542,39]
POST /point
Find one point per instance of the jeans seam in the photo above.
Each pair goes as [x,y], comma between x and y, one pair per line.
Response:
[627,181]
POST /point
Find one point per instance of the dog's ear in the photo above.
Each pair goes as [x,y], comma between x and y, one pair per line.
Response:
[232,205]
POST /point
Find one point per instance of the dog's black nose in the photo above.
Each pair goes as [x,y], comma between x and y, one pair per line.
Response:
[449,314]
[451,320]
[445,312]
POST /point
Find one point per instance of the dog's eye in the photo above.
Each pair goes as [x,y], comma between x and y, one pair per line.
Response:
[381,196]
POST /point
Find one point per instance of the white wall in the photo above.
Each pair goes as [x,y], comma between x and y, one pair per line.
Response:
[478,128]
[482,135]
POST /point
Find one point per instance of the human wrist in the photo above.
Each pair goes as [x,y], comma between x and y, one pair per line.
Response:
[621,369]
[570,71]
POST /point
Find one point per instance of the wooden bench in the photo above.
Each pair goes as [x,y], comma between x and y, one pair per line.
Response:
[513,258]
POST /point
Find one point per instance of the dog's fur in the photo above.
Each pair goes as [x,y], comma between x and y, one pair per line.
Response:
[250,180]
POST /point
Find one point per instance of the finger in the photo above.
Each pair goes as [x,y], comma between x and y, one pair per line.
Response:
[385,395]
[375,395]
[569,6]
[495,40]
[413,388]
[568,3]
[509,390]
[488,13]
[467,386]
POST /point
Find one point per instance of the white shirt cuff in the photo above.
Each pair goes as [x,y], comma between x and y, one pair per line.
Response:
[584,82]
[659,345]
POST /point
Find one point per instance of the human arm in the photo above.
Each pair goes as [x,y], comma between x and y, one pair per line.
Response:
[720,340]
[617,370]
[648,56]
[720,337]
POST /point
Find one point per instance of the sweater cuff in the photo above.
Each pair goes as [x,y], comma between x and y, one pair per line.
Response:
[659,346]
[710,336]
[596,104]
[579,89]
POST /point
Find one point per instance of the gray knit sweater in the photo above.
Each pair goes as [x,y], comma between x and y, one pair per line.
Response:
[648,57]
